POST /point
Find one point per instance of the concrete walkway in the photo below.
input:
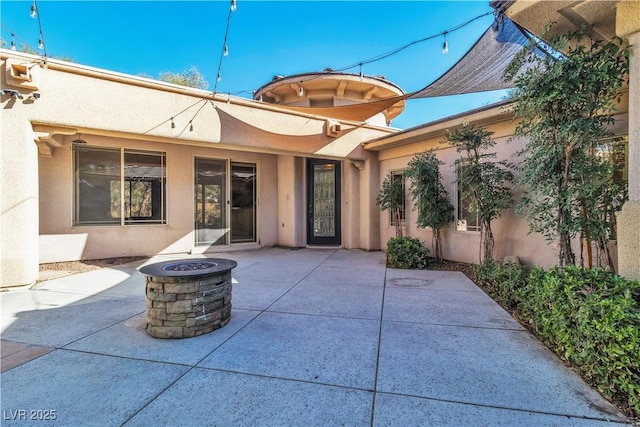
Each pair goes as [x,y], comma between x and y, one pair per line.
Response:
[317,337]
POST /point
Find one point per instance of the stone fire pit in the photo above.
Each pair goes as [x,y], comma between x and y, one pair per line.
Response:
[188,297]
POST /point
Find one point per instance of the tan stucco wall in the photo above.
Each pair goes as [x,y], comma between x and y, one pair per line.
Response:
[511,231]
[18,199]
[111,109]
[291,224]
[92,242]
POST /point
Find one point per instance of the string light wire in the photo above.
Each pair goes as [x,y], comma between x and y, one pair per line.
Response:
[41,43]
[225,46]
[35,13]
[190,124]
[359,64]
[14,35]
[170,119]
[401,48]
[385,55]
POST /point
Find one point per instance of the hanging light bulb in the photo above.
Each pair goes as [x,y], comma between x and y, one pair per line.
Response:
[173,125]
[361,75]
[40,44]
[445,48]
[225,51]
[219,77]
[190,127]
[301,90]
[13,42]
[234,6]
[445,45]
[34,10]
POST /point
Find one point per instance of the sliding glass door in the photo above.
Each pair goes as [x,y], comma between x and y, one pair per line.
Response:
[221,216]
[211,202]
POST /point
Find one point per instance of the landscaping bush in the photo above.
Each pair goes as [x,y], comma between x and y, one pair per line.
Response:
[592,319]
[501,281]
[406,252]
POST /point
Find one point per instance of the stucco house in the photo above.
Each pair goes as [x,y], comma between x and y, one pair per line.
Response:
[99,164]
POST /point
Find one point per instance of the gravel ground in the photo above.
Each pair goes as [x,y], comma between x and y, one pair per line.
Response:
[445,265]
[74,267]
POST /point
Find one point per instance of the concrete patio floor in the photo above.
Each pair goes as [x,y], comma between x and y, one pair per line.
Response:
[317,337]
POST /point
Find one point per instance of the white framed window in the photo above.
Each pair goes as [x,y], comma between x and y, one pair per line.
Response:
[118,186]
[466,218]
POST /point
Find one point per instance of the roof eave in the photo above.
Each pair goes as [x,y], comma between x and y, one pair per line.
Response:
[484,116]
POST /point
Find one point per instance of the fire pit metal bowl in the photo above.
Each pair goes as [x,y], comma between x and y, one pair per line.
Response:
[188,297]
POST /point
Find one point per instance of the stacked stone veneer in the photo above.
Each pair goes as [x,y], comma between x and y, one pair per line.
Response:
[181,307]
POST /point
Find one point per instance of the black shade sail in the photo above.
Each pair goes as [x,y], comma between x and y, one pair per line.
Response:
[482,67]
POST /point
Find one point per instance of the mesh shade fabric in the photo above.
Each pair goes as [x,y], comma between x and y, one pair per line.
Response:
[480,69]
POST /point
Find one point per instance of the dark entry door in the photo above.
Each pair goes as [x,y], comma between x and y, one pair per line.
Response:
[323,202]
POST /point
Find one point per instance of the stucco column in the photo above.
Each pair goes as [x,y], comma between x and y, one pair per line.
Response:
[351,203]
[369,212]
[291,212]
[628,220]
[18,200]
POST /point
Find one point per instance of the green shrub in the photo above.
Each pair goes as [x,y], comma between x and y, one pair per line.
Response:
[502,281]
[592,319]
[406,252]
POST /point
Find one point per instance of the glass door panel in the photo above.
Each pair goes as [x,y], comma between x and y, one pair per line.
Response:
[211,202]
[324,202]
[243,202]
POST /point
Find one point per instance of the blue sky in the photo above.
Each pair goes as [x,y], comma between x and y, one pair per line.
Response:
[265,38]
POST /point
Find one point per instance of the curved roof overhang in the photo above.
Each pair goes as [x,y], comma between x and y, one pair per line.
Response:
[359,98]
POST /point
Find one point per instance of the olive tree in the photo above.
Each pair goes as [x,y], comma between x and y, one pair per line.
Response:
[484,181]
[391,198]
[429,195]
[565,103]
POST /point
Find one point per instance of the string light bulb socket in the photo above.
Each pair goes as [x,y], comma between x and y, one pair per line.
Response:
[234,6]
[173,125]
[40,44]
[190,126]
[225,51]
[34,10]
[219,77]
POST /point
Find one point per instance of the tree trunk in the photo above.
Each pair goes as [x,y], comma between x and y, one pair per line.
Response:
[565,255]
[488,240]
[436,246]
[607,253]
[587,236]
[398,224]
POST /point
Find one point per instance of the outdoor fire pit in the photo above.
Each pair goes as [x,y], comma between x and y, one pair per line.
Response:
[188,297]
